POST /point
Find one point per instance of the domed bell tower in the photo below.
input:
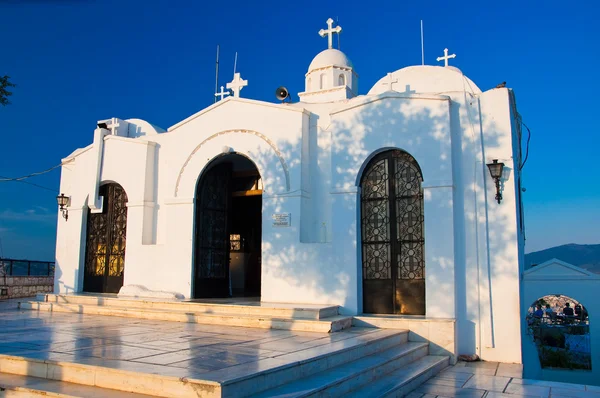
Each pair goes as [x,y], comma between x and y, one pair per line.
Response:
[331,75]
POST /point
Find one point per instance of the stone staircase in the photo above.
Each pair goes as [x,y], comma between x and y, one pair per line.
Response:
[383,361]
[366,363]
[307,318]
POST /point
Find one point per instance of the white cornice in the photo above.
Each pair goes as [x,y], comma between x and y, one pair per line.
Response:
[76,153]
[235,99]
[362,101]
[129,140]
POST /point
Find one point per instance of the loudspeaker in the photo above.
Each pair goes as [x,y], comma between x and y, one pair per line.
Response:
[282,93]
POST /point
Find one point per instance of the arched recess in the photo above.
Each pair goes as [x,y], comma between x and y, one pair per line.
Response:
[559,326]
[322,81]
[392,235]
[254,145]
[341,80]
[106,239]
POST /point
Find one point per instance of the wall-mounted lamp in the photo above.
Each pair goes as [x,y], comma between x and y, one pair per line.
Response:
[496,173]
[62,202]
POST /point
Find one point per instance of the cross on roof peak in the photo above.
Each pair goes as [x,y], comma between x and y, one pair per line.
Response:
[329,32]
[237,84]
[446,57]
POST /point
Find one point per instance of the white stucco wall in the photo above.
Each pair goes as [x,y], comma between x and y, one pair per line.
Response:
[311,157]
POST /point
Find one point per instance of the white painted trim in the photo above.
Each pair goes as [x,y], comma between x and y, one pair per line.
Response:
[235,99]
[389,95]
[144,203]
[179,201]
[129,139]
[585,274]
[76,153]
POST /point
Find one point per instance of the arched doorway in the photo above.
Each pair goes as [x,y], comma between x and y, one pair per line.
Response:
[559,326]
[106,242]
[393,258]
[228,229]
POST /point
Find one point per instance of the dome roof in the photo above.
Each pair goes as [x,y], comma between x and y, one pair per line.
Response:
[330,57]
[426,79]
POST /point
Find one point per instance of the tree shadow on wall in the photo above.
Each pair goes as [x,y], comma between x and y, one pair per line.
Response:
[331,267]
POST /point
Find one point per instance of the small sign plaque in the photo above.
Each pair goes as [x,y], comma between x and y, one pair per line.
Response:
[282,219]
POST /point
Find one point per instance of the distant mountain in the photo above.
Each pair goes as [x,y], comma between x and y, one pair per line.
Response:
[584,256]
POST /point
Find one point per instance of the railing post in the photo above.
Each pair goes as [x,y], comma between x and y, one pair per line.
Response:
[11,267]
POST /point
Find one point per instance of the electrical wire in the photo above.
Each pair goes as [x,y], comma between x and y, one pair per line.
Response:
[7,179]
[4,179]
[527,148]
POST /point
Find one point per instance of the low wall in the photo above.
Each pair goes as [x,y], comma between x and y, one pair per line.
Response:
[25,286]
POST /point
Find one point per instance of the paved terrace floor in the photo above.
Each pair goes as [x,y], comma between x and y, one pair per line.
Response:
[494,380]
[160,347]
[193,350]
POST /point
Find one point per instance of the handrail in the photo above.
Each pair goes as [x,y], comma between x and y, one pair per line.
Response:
[40,268]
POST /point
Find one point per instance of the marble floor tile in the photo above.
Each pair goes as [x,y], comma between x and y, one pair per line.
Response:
[454,375]
[115,351]
[510,370]
[448,391]
[525,390]
[482,364]
[562,392]
[545,383]
[490,383]
[472,370]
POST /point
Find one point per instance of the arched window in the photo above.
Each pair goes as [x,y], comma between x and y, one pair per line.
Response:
[322,81]
[560,329]
[341,80]
[392,234]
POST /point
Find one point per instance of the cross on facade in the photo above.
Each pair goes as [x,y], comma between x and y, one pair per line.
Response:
[237,84]
[446,57]
[222,94]
[329,32]
[390,81]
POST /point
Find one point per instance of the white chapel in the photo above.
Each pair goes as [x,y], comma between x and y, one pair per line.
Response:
[380,201]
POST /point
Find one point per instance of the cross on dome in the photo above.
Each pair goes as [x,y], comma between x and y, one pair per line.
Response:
[222,94]
[237,84]
[390,81]
[446,57]
[329,32]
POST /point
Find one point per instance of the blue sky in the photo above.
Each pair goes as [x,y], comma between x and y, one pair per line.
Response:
[78,61]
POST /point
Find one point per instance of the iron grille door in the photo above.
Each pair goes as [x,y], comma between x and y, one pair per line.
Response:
[392,235]
[106,242]
[117,233]
[213,201]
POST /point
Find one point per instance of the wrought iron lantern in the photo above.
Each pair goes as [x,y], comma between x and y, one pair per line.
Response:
[63,201]
[496,172]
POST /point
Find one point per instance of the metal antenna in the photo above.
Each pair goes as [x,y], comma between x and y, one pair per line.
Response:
[422,45]
[235,64]
[337,22]
[217,74]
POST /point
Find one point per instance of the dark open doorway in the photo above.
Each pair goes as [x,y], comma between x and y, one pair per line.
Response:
[228,229]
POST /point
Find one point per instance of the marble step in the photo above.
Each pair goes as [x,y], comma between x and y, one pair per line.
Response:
[235,381]
[28,386]
[340,380]
[328,325]
[401,382]
[298,311]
